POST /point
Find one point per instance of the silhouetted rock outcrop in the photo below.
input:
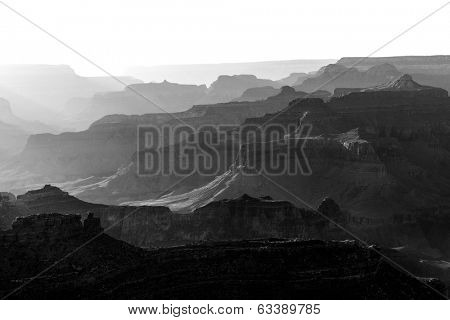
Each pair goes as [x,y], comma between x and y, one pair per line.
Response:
[330,209]
[244,217]
[79,266]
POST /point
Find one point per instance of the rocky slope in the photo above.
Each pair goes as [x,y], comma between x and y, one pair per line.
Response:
[94,265]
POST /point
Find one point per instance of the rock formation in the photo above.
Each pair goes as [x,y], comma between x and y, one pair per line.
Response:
[139,98]
[244,217]
[258,93]
[293,79]
[80,266]
[338,76]
[439,64]
[111,141]
[37,92]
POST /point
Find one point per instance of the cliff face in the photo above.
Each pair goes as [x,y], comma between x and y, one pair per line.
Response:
[79,266]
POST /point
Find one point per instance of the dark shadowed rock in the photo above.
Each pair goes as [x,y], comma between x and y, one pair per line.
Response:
[104,268]
[329,208]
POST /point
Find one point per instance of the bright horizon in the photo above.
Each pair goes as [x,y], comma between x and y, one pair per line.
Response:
[120,34]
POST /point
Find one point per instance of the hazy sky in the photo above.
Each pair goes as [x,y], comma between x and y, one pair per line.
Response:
[118,34]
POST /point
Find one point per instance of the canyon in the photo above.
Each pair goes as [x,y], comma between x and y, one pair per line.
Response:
[377,178]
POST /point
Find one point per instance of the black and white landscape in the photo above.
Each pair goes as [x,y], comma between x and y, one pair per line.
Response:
[287,179]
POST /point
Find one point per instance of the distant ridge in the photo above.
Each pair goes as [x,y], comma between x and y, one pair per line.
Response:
[436,65]
[207,73]
[404,60]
